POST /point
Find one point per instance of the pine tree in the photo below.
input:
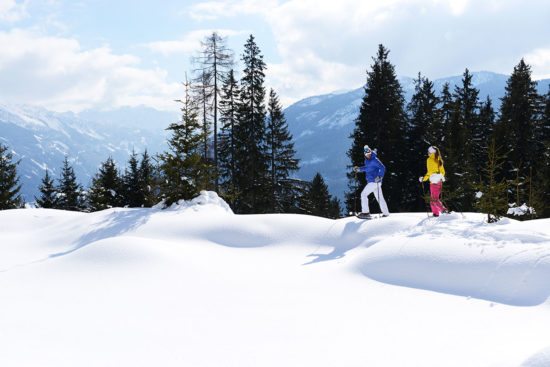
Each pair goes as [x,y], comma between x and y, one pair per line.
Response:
[458,148]
[184,173]
[107,187]
[229,109]
[147,179]
[251,158]
[381,124]
[134,195]
[320,202]
[542,177]
[214,61]
[492,192]
[48,197]
[282,162]
[517,124]
[482,134]
[70,192]
[9,181]
[202,96]
[424,129]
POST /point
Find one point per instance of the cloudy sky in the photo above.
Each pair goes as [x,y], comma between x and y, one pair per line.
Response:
[103,54]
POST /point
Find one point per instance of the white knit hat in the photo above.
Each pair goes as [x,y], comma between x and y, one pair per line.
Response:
[431,150]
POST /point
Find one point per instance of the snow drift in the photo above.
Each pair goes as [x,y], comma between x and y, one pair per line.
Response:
[197,285]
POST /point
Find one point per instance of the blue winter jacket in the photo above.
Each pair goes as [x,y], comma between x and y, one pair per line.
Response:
[373,167]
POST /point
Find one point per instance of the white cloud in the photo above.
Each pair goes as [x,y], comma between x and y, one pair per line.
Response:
[190,44]
[212,10]
[539,60]
[57,74]
[11,11]
[328,45]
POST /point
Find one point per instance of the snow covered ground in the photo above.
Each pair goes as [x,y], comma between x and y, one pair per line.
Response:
[196,285]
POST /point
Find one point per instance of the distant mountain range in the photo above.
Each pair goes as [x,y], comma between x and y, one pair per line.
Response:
[321,126]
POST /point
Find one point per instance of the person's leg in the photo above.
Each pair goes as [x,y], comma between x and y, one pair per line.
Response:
[365,197]
[435,204]
[380,198]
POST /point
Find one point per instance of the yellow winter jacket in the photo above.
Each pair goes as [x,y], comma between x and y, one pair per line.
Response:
[433,167]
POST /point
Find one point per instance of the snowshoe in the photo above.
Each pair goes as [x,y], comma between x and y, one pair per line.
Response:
[364,216]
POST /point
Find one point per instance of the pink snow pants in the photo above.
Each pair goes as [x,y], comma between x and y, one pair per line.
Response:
[435,203]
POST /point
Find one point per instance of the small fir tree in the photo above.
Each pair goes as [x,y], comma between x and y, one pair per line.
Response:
[69,191]
[107,187]
[491,197]
[48,193]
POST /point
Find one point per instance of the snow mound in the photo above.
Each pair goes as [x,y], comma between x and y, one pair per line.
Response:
[505,263]
[207,201]
[540,359]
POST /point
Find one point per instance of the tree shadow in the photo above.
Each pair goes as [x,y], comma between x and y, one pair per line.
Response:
[115,224]
[350,238]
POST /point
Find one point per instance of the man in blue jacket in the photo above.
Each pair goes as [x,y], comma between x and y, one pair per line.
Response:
[374,170]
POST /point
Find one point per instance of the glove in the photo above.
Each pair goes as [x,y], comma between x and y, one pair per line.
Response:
[421,179]
[443,179]
[378,179]
[356,169]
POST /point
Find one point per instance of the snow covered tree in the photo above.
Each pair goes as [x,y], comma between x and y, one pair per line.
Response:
[184,172]
[229,109]
[69,191]
[9,181]
[251,158]
[282,161]
[48,193]
[107,187]
[381,124]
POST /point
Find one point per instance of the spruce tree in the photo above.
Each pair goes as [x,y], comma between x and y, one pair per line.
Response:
[251,158]
[381,124]
[542,177]
[320,202]
[516,128]
[424,129]
[458,149]
[70,192]
[482,134]
[146,180]
[282,161]
[48,193]
[107,187]
[229,109]
[184,172]
[9,181]
[133,193]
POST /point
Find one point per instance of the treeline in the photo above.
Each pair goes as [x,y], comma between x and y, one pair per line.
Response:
[482,148]
[231,139]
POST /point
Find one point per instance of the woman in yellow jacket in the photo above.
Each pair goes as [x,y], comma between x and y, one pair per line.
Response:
[436,175]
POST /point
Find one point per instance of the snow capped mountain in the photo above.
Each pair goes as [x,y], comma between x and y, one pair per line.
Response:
[41,139]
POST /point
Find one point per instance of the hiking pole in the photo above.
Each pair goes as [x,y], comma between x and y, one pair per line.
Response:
[355,200]
[424,198]
[378,199]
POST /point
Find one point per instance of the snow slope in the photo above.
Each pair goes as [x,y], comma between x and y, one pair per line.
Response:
[196,285]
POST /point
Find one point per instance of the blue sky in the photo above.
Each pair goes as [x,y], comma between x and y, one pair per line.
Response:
[103,54]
